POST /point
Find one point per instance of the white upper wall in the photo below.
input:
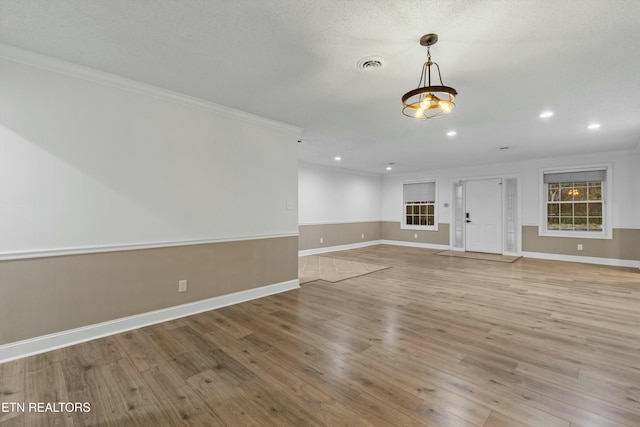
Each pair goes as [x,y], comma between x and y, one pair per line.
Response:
[331,195]
[88,164]
[625,178]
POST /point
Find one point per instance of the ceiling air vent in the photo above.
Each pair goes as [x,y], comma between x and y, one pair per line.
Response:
[371,63]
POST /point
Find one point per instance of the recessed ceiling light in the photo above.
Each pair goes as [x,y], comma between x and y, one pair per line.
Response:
[546,114]
[389,168]
[337,158]
[452,133]
[593,126]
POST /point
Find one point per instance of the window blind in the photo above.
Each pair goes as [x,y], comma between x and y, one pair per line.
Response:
[420,192]
[577,176]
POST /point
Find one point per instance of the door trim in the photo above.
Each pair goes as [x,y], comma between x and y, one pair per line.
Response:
[456,245]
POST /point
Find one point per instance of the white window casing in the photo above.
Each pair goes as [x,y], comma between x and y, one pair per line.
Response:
[580,205]
[420,205]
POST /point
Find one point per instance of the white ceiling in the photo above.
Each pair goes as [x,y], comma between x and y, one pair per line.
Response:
[295,61]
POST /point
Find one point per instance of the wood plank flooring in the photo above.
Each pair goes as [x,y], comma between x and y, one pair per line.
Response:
[433,341]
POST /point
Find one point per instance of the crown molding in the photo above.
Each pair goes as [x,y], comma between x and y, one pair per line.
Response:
[33,59]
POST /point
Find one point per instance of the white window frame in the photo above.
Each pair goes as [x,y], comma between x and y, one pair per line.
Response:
[403,222]
[607,205]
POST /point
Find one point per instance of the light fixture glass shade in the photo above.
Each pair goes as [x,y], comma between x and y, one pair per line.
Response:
[429,101]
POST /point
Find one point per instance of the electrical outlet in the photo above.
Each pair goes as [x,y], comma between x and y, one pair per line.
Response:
[415,236]
[363,235]
[579,246]
[321,240]
[182,286]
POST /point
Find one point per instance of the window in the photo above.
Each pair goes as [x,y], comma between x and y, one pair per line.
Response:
[419,206]
[574,203]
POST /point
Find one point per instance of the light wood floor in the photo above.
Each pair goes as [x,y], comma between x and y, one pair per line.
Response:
[433,341]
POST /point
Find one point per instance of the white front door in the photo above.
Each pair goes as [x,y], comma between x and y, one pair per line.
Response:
[483,215]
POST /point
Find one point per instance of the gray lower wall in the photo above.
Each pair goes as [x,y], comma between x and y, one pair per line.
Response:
[624,245]
[40,296]
[337,234]
[392,231]
[351,233]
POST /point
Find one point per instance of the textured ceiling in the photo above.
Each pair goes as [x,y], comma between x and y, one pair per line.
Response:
[295,61]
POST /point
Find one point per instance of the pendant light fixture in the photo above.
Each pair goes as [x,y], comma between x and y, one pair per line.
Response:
[427,101]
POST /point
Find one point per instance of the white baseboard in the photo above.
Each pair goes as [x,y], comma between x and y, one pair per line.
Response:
[338,248]
[511,254]
[416,244]
[29,347]
[584,259]
[371,243]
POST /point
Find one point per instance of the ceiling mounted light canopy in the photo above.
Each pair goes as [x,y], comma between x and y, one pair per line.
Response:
[427,101]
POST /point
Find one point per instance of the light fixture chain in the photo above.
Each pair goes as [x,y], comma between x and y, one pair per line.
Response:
[429,63]
[427,101]
[439,76]
[423,75]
